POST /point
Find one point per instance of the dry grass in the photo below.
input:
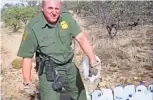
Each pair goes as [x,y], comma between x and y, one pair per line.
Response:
[127,58]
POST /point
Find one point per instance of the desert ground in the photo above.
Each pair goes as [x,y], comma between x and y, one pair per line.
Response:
[126,58]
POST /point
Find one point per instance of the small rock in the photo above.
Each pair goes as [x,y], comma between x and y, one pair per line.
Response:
[135,78]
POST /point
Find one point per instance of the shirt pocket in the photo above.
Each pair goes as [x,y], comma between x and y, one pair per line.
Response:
[46,41]
[66,38]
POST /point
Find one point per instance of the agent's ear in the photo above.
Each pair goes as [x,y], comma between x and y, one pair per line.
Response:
[42,9]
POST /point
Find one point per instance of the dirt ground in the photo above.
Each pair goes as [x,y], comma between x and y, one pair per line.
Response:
[127,58]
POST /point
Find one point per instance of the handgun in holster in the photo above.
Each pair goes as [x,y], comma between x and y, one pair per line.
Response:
[40,61]
[49,70]
[51,74]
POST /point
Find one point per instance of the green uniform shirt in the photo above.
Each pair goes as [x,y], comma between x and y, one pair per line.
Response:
[52,40]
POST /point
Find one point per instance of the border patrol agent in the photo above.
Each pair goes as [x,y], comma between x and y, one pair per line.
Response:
[49,35]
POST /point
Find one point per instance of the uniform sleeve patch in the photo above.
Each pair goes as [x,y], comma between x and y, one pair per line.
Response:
[25,34]
[64,25]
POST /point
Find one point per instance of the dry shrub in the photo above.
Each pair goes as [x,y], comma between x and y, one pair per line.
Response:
[16,63]
[127,57]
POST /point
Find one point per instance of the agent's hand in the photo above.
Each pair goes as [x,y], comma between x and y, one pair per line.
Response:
[29,88]
[94,67]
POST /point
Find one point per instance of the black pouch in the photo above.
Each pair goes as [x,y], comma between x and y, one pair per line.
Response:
[53,75]
[58,83]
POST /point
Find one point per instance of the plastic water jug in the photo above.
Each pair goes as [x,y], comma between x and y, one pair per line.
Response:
[88,95]
[150,90]
[149,95]
[140,96]
[85,67]
[107,94]
[118,93]
[143,96]
[141,88]
[97,95]
[142,93]
[129,91]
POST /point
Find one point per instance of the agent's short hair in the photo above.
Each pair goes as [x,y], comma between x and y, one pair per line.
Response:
[43,2]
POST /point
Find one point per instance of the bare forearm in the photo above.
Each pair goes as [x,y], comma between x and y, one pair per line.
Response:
[26,69]
[87,48]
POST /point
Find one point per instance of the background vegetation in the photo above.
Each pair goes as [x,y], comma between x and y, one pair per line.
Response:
[105,13]
[126,58]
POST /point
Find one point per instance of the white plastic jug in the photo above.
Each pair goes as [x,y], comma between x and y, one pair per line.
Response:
[140,96]
[143,95]
[129,91]
[97,95]
[149,95]
[118,93]
[88,95]
[107,94]
[150,90]
[141,88]
[85,67]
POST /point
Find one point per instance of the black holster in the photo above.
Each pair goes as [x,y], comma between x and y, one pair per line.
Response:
[52,75]
[50,70]
[38,61]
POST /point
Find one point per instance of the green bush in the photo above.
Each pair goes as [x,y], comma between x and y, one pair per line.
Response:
[16,63]
[14,15]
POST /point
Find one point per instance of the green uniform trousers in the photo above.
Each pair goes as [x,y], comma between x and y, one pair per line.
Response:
[73,85]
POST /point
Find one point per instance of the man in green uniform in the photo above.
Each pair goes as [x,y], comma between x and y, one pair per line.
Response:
[50,33]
